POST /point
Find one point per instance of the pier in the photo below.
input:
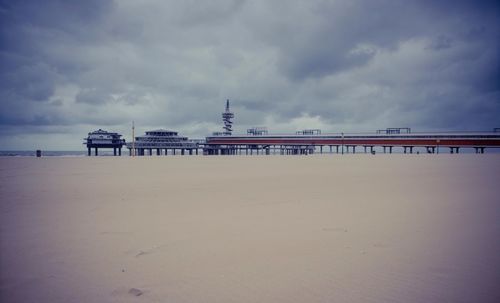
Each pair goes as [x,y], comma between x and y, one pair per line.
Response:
[299,144]
[163,142]
[258,141]
[103,139]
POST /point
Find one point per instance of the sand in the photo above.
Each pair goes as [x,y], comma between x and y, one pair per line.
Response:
[322,228]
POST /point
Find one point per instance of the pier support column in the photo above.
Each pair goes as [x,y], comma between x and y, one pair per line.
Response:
[321,149]
[158,152]
[130,152]
[390,149]
[410,149]
[114,151]
[90,152]
[120,151]
[96,153]
[371,150]
[182,151]
[337,148]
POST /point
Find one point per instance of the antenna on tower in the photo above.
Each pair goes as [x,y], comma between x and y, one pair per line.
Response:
[133,139]
[227,117]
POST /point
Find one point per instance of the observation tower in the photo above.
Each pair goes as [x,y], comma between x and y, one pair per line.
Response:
[227,117]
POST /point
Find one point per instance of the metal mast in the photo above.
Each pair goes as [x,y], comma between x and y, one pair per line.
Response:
[227,117]
[133,139]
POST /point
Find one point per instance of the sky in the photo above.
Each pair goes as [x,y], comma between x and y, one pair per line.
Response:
[71,67]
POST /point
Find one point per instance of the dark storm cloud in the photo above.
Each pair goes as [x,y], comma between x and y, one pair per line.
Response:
[31,66]
[72,66]
[334,37]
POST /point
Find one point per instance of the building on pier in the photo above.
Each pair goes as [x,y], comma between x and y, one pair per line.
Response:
[257,131]
[309,132]
[394,130]
[103,139]
[164,142]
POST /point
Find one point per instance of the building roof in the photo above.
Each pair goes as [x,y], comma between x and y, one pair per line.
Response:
[101,131]
[160,130]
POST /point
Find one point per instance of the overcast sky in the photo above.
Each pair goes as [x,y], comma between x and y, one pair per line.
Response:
[70,67]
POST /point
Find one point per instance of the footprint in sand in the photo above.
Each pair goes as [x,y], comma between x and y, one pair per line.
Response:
[125,291]
[148,251]
[135,292]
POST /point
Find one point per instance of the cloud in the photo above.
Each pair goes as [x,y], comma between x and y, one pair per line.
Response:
[339,65]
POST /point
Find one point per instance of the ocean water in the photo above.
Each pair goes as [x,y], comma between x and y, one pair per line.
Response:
[125,153]
[55,153]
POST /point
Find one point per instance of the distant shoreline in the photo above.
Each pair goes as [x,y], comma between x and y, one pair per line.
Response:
[109,153]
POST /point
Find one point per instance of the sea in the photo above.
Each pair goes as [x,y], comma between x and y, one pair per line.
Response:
[109,153]
[55,153]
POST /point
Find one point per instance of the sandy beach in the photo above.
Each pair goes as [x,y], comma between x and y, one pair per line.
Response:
[322,228]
